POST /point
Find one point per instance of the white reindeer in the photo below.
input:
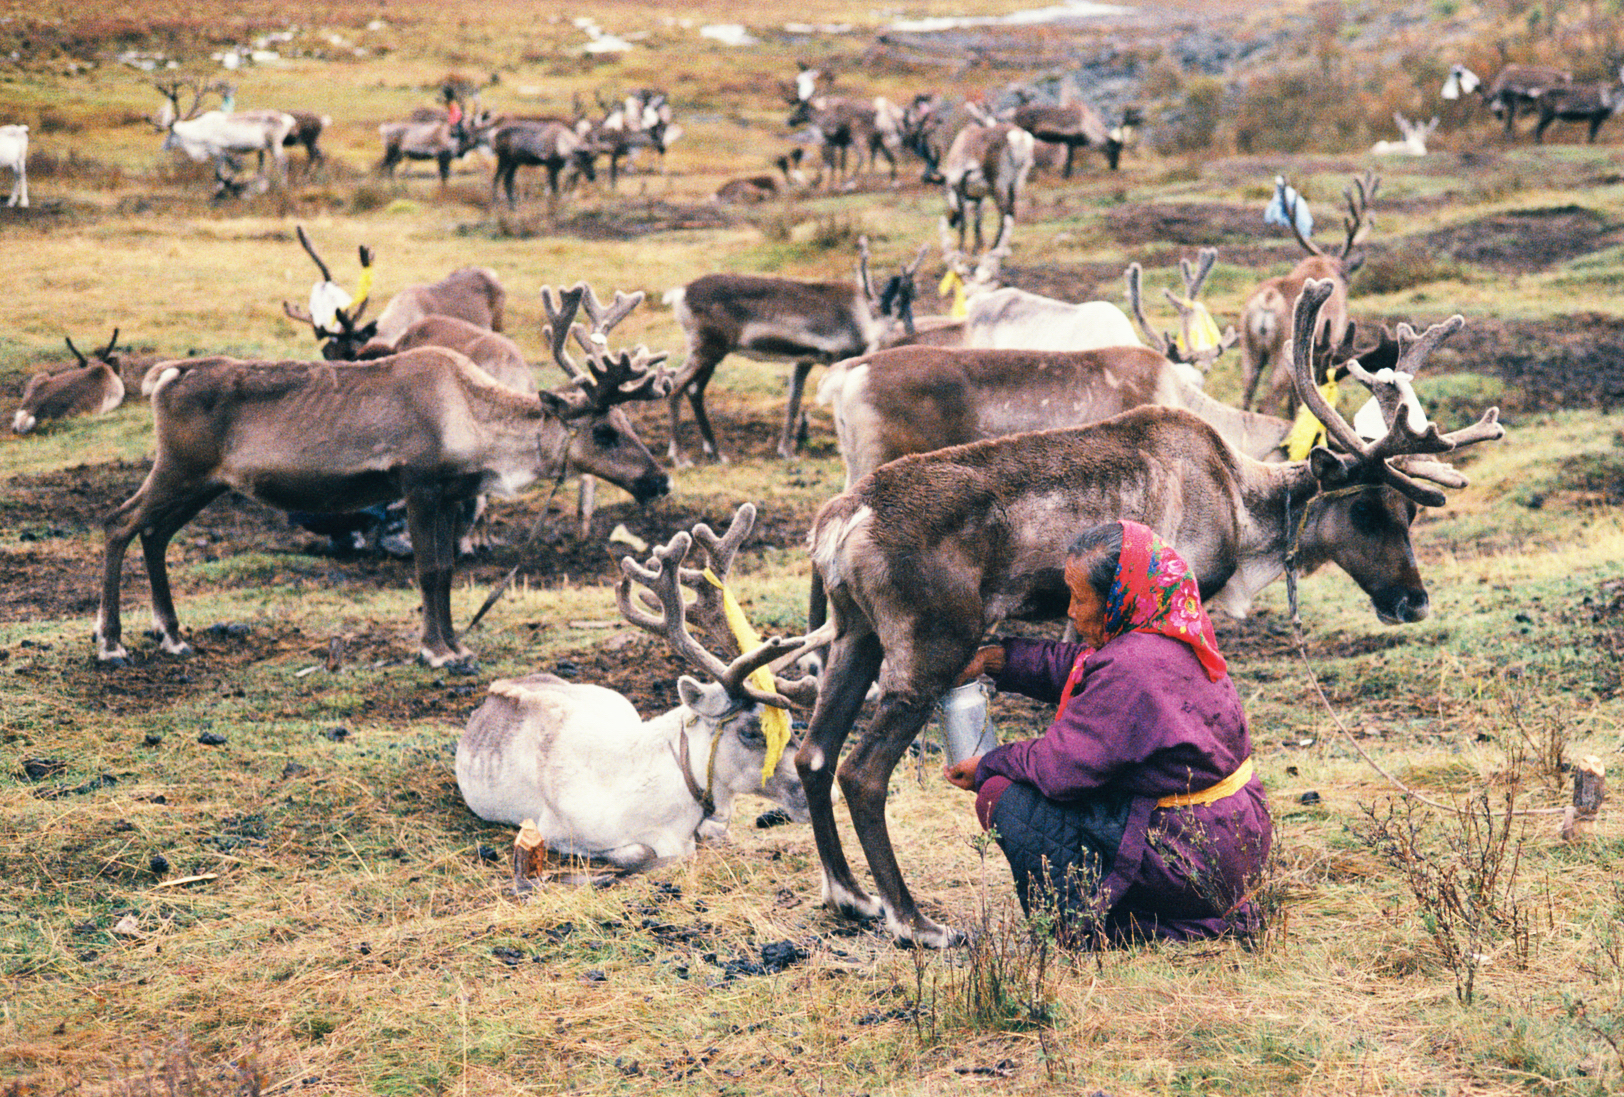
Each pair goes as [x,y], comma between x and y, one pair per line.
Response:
[601,782]
[14,155]
[218,137]
[1414,142]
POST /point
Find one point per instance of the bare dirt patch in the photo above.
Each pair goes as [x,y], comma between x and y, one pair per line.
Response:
[1565,362]
[1521,241]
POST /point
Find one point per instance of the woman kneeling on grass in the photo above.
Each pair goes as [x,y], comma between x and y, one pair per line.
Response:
[1136,814]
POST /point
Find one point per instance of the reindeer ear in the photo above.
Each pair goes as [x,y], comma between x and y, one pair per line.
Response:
[709,701]
[1327,468]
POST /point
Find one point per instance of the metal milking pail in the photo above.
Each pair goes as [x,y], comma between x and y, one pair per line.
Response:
[966,725]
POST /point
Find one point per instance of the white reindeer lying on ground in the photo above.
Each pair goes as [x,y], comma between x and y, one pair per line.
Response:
[1415,138]
[597,779]
[14,155]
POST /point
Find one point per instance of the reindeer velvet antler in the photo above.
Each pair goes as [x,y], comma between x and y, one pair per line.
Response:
[609,378]
[662,577]
[1404,451]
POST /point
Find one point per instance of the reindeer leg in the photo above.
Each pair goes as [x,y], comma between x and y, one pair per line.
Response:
[160,526]
[797,385]
[853,664]
[432,518]
[865,776]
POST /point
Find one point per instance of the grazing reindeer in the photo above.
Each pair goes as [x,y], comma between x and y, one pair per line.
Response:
[473,294]
[307,128]
[913,399]
[14,155]
[601,782]
[1592,104]
[1266,316]
[642,120]
[926,554]
[1071,122]
[553,146]
[439,141]
[986,160]
[86,389]
[427,426]
[219,137]
[1415,138]
[780,319]
[1513,88]
[841,126]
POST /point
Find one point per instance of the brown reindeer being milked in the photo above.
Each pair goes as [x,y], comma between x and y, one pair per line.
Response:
[926,554]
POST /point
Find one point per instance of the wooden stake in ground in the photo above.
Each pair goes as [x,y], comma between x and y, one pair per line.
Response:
[1589,790]
[526,852]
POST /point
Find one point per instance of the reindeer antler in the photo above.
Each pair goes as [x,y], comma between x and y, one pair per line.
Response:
[1166,345]
[1291,219]
[83,361]
[863,282]
[662,579]
[1358,223]
[608,379]
[1402,443]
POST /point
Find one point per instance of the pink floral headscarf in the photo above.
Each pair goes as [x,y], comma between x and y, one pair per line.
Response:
[1155,592]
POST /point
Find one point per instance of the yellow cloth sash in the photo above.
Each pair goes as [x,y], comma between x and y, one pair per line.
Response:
[774,721]
[952,283]
[1204,333]
[1307,431]
[1229,786]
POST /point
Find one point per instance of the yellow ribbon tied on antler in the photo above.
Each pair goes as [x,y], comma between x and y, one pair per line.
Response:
[1204,333]
[774,721]
[1307,431]
[362,288]
[953,284]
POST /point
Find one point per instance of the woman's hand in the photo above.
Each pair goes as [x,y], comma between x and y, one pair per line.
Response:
[963,774]
[987,660]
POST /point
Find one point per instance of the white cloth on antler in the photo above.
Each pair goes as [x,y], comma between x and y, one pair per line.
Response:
[1371,424]
[326,298]
[1285,196]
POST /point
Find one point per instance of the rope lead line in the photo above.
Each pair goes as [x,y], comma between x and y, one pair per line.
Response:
[1295,536]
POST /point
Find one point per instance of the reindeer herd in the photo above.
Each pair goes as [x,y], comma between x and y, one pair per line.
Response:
[975,447]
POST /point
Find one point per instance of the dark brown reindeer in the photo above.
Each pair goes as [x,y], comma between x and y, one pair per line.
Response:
[1070,122]
[1513,88]
[1266,315]
[89,388]
[926,554]
[473,294]
[551,146]
[1591,104]
[426,426]
[780,319]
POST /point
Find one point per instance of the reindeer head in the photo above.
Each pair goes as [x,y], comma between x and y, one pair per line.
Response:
[1371,490]
[894,303]
[334,315]
[735,699]
[603,440]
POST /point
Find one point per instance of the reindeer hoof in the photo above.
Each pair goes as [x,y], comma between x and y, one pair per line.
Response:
[926,934]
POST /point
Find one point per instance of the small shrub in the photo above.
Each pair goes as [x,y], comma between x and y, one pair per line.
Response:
[1461,866]
[369,197]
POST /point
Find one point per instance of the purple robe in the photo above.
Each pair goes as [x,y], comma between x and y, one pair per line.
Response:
[1146,721]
